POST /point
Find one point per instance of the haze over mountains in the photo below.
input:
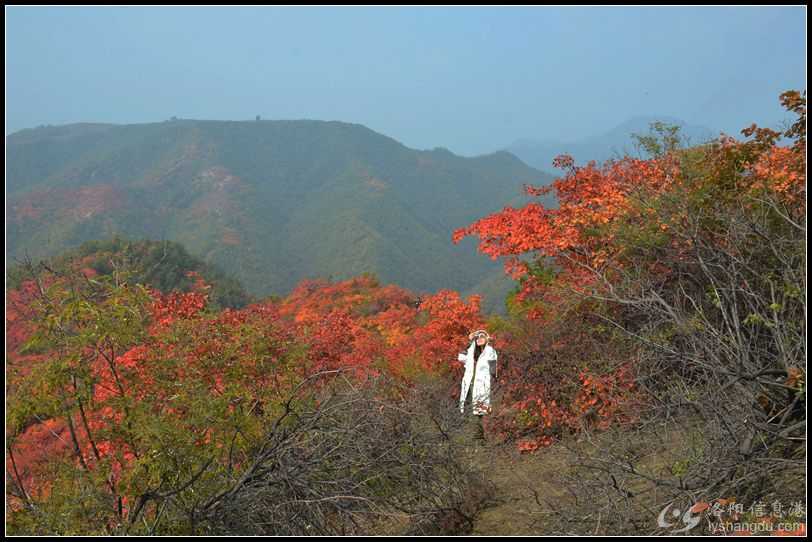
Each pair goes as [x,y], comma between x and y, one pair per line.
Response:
[611,144]
[271,202]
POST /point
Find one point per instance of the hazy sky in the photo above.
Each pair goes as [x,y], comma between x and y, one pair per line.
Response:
[472,80]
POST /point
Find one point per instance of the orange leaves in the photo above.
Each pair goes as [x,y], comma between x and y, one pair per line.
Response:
[356,321]
[794,377]
[168,308]
[699,507]
[511,231]
[19,311]
[180,374]
[601,398]
[449,320]
[36,448]
[580,232]
[530,445]
[331,338]
[598,402]
[609,215]
[782,170]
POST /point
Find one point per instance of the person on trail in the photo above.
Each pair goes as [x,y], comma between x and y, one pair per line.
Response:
[480,366]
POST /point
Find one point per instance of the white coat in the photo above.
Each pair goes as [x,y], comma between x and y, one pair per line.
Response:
[481,394]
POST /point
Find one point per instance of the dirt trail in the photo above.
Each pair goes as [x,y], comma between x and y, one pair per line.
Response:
[523,489]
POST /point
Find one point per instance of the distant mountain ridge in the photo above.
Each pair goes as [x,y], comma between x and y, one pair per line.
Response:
[611,144]
[269,202]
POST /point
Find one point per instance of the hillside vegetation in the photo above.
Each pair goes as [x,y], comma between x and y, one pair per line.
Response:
[162,265]
[653,359]
[269,202]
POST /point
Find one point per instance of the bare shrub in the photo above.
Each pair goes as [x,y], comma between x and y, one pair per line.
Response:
[722,366]
[348,458]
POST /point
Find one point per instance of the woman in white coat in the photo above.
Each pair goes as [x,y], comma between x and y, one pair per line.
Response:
[480,364]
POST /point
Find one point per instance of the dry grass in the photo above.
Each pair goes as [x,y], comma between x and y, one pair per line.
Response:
[548,492]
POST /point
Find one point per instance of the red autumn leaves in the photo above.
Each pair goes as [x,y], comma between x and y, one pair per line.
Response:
[605,214]
[255,352]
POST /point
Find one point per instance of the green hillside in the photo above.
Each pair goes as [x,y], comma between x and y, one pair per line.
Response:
[270,202]
[163,265]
